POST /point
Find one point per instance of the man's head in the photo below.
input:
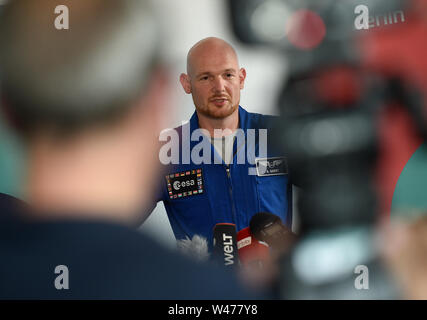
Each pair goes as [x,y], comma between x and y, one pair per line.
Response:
[89,101]
[214,78]
[67,78]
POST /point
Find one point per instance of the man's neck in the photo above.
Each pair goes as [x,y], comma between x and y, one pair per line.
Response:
[219,127]
[79,182]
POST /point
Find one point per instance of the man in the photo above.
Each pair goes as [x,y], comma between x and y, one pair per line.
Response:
[89,103]
[240,173]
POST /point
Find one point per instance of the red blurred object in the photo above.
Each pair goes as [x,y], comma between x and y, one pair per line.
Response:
[398,140]
[398,52]
[305,29]
[251,251]
[338,86]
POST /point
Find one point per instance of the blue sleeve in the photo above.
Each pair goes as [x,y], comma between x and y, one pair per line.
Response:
[151,205]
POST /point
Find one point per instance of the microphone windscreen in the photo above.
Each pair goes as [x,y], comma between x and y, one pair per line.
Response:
[225,244]
[196,248]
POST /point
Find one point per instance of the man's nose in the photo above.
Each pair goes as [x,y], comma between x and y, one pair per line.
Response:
[218,84]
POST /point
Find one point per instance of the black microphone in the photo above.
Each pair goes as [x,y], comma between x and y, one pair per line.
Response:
[225,244]
[269,228]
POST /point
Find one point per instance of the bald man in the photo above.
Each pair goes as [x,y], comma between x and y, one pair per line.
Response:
[227,170]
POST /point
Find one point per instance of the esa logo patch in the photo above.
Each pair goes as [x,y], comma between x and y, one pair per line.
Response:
[275,166]
[184,184]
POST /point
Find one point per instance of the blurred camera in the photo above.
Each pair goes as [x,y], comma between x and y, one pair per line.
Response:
[329,105]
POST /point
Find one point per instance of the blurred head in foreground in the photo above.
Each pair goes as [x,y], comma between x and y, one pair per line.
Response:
[88,101]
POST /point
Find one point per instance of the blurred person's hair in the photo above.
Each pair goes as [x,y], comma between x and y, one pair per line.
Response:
[66,80]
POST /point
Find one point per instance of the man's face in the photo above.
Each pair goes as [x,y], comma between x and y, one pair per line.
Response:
[215,81]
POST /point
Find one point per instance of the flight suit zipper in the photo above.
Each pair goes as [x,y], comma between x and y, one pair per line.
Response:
[230,189]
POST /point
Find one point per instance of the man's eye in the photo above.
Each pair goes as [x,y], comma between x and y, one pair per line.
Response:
[204,78]
[229,75]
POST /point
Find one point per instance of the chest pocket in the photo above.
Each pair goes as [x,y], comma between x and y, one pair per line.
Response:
[186,197]
[272,185]
[186,184]
[187,204]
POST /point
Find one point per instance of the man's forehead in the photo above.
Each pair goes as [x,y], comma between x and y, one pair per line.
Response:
[212,58]
[213,64]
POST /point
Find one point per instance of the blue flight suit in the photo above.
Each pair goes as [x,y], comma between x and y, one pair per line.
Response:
[198,196]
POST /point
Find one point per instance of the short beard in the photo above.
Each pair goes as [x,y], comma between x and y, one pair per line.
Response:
[214,115]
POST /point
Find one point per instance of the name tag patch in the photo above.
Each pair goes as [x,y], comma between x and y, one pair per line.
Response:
[276,166]
[184,184]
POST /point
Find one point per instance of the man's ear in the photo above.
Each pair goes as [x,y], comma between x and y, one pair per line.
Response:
[155,102]
[185,82]
[242,77]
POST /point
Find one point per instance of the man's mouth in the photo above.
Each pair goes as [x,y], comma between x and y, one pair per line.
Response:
[219,101]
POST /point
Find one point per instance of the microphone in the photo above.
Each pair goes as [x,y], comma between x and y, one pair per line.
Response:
[225,244]
[252,253]
[258,269]
[268,227]
[196,248]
